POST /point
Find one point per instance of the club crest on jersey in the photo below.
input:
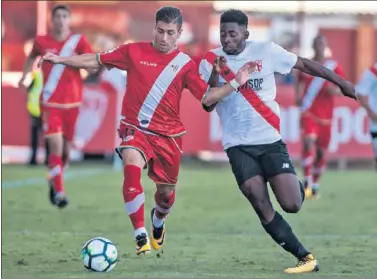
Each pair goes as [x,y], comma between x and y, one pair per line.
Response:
[259,65]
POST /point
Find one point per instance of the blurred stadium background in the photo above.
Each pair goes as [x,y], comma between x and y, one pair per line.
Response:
[351,30]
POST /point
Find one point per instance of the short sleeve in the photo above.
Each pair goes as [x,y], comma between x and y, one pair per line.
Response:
[205,70]
[366,84]
[195,82]
[282,60]
[118,57]
[84,46]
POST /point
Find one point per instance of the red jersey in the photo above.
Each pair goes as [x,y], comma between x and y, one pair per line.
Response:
[62,84]
[318,99]
[154,85]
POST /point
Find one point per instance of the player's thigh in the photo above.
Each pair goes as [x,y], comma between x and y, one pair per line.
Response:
[282,177]
[52,119]
[324,136]
[164,167]
[256,191]
[69,122]
[244,165]
[134,148]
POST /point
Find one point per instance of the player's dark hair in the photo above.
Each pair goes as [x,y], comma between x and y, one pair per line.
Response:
[60,7]
[169,14]
[234,16]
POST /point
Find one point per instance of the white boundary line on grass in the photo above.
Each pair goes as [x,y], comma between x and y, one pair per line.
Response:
[11,184]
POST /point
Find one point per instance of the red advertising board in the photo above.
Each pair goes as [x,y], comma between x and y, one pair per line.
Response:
[96,127]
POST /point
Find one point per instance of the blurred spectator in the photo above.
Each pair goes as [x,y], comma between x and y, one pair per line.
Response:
[34,90]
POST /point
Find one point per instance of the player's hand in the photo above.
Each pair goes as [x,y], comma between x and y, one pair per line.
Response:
[53,58]
[218,64]
[244,73]
[348,89]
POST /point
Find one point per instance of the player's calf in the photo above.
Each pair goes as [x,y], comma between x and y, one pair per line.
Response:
[55,175]
[307,160]
[164,198]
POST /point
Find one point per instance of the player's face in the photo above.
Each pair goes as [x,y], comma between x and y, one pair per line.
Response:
[165,36]
[61,20]
[319,45]
[232,37]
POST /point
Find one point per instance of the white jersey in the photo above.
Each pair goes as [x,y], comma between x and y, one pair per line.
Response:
[367,86]
[246,118]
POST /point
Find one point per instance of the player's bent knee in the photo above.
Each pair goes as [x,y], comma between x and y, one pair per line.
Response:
[293,207]
[55,144]
[165,189]
[132,156]
[308,143]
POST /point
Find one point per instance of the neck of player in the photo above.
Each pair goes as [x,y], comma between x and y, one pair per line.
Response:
[61,35]
[320,58]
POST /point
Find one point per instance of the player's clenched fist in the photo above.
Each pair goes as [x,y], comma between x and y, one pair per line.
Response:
[219,63]
[53,58]
[244,72]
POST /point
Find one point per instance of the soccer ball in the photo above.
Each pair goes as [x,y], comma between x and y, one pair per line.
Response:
[99,254]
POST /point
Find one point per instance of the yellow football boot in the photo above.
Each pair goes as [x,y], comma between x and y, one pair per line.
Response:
[142,245]
[305,265]
[158,235]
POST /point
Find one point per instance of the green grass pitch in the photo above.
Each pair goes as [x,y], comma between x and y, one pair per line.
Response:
[212,231]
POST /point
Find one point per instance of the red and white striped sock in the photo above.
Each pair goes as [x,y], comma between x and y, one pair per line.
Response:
[318,169]
[164,203]
[55,166]
[133,195]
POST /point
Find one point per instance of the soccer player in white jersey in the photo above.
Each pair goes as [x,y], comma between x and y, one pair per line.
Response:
[366,91]
[250,122]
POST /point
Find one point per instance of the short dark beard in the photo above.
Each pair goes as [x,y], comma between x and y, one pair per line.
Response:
[238,50]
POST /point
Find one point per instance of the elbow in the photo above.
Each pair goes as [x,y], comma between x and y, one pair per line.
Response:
[208,101]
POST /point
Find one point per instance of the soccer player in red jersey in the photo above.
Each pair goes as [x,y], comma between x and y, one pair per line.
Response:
[61,95]
[315,96]
[150,127]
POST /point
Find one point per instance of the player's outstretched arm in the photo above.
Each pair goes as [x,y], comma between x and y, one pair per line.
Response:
[315,69]
[84,61]
[216,94]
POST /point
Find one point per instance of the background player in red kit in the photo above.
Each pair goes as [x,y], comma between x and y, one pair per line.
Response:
[61,95]
[315,96]
[150,127]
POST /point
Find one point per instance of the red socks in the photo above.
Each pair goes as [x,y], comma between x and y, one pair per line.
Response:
[163,204]
[133,195]
[307,164]
[55,165]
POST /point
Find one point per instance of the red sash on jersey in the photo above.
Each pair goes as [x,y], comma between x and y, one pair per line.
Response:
[373,70]
[250,95]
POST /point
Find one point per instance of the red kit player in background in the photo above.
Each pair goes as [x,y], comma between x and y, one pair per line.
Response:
[61,95]
[150,127]
[315,96]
